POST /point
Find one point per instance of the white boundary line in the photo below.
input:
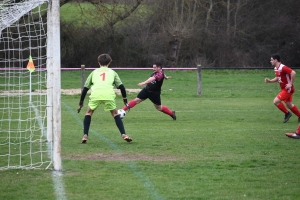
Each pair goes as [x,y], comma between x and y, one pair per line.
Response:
[56,175]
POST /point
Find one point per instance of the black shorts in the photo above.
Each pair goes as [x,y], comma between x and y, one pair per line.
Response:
[153,96]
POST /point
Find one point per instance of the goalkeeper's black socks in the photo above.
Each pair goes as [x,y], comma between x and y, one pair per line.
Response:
[86,124]
[120,124]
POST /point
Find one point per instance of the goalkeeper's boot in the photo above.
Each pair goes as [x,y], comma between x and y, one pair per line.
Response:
[293,135]
[173,115]
[126,137]
[287,117]
[84,139]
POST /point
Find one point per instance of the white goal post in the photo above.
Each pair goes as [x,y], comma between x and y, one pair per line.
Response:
[30,85]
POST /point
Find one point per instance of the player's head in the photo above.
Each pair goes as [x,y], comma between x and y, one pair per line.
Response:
[158,64]
[275,60]
[157,67]
[276,57]
[104,59]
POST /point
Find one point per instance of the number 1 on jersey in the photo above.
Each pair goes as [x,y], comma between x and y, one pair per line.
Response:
[103,76]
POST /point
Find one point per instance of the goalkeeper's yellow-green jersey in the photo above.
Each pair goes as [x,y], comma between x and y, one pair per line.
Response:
[101,82]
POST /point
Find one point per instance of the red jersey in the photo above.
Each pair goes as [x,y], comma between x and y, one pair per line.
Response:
[283,73]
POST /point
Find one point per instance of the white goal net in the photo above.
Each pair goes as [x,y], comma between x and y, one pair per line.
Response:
[24,141]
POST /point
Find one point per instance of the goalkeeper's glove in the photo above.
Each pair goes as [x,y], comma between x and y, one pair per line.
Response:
[126,103]
[80,106]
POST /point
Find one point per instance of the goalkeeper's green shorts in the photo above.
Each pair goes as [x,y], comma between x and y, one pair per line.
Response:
[108,104]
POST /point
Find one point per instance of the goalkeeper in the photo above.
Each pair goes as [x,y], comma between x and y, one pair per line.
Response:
[101,82]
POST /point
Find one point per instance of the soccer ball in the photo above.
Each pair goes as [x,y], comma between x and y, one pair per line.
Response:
[122,113]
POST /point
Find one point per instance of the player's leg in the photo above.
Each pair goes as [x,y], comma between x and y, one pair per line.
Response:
[293,107]
[277,102]
[155,98]
[86,124]
[132,103]
[111,106]
[142,95]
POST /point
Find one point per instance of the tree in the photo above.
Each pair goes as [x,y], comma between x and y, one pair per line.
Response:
[114,13]
[83,39]
[178,23]
[181,33]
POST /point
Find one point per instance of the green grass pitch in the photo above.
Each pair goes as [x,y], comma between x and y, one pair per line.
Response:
[227,144]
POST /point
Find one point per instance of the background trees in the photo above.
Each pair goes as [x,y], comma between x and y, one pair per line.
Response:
[181,33]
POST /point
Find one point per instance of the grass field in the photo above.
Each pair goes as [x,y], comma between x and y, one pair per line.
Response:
[228,144]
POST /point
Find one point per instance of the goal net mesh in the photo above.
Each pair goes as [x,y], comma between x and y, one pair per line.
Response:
[23,85]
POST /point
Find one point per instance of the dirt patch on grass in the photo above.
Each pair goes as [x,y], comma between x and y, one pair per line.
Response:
[119,157]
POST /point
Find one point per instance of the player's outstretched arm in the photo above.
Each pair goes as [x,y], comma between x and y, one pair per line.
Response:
[83,94]
[267,80]
[149,80]
[167,77]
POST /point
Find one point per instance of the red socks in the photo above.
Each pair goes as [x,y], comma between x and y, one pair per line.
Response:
[131,104]
[281,107]
[295,111]
[166,110]
[298,129]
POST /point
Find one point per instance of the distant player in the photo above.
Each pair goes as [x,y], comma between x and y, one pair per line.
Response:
[152,91]
[286,77]
[101,82]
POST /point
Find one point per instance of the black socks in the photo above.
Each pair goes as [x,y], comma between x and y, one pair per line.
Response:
[86,124]
[120,124]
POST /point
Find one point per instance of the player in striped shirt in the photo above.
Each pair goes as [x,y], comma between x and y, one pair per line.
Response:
[285,76]
[152,91]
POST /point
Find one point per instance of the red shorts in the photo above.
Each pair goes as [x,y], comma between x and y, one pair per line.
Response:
[285,96]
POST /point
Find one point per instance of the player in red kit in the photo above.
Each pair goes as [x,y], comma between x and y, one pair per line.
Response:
[285,76]
[152,91]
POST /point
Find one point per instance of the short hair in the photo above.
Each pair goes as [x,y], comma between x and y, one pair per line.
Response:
[276,57]
[158,64]
[104,59]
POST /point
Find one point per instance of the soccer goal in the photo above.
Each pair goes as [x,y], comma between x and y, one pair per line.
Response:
[30,123]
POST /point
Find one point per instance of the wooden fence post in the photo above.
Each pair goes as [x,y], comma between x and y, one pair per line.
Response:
[82,76]
[199,83]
